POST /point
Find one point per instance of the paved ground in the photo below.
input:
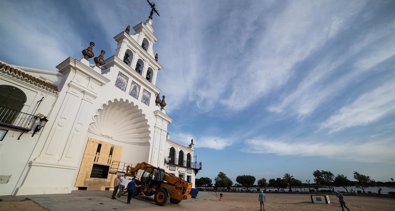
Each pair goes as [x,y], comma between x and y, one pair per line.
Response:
[206,201]
[82,200]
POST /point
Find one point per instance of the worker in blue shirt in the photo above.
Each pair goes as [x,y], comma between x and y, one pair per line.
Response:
[131,186]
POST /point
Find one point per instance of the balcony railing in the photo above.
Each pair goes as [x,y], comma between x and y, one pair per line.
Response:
[15,119]
[196,166]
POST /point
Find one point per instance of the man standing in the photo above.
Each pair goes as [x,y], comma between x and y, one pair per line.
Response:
[117,182]
[261,199]
[122,185]
[131,186]
[341,201]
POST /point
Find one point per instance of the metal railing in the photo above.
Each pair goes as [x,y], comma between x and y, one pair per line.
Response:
[119,166]
[16,119]
[192,165]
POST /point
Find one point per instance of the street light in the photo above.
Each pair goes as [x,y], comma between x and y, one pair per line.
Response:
[39,123]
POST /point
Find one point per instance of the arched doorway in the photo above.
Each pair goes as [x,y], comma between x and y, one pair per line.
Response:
[118,136]
[12,101]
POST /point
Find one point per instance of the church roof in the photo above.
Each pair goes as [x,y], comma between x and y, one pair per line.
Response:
[15,72]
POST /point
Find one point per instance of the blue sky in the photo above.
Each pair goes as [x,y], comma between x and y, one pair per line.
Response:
[263,87]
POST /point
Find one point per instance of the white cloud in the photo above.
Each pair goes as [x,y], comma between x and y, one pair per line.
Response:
[180,51]
[31,39]
[366,109]
[290,37]
[377,151]
[314,89]
[210,142]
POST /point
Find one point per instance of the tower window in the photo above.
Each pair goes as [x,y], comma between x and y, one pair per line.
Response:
[145,44]
[139,66]
[128,57]
[149,75]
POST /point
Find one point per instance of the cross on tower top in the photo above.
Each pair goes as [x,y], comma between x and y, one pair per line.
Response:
[153,9]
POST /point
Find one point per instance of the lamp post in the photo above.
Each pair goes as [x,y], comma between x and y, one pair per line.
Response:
[39,123]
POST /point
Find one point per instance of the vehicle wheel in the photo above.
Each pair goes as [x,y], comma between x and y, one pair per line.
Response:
[174,201]
[161,197]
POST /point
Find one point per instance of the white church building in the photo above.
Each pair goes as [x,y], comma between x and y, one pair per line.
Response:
[78,127]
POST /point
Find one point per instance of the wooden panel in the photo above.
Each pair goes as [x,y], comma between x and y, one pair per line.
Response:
[102,158]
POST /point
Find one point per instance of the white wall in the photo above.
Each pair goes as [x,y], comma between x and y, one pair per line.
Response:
[15,154]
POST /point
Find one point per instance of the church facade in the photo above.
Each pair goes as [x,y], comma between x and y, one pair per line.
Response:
[79,127]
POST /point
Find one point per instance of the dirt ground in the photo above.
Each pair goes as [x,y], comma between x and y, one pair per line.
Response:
[240,202]
[21,205]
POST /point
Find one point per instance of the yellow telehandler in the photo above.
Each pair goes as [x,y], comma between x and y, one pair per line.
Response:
[155,181]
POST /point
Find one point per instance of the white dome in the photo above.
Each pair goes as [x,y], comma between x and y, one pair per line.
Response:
[121,121]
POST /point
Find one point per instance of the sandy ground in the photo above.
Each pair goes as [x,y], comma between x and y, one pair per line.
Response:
[206,201]
[20,205]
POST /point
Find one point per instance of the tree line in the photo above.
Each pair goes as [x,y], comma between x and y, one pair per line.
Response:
[322,178]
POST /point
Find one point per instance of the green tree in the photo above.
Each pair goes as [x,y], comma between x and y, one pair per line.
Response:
[262,183]
[223,181]
[318,178]
[363,180]
[323,178]
[297,183]
[342,181]
[272,183]
[277,183]
[204,182]
[246,180]
[288,179]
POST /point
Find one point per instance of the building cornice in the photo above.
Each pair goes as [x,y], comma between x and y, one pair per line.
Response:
[163,115]
[83,68]
[20,74]
[180,145]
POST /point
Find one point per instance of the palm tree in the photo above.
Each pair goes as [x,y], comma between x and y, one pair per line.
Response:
[288,179]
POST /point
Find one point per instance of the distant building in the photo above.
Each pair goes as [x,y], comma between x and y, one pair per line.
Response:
[76,128]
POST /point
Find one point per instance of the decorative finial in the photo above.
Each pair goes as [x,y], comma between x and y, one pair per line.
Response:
[127,30]
[156,57]
[191,144]
[153,9]
[157,100]
[99,61]
[88,52]
[163,103]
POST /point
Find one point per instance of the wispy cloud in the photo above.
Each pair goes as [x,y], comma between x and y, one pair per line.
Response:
[333,74]
[210,142]
[366,109]
[40,42]
[180,49]
[289,38]
[213,142]
[368,151]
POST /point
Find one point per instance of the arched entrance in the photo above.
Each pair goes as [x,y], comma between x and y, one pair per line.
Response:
[118,136]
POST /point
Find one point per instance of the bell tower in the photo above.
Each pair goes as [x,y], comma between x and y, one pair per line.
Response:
[137,50]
